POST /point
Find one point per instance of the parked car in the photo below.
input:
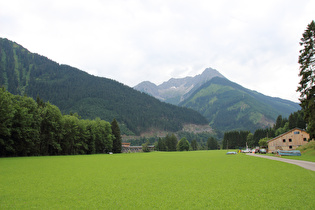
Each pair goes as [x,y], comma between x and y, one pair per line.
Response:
[262,151]
[246,151]
[255,150]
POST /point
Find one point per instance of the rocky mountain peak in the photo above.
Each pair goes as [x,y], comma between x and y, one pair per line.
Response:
[177,89]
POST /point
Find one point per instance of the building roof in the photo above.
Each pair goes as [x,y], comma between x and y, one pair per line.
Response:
[285,134]
[123,144]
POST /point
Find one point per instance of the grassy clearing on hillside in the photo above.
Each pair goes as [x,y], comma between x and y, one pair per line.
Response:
[165,180]
[308,151]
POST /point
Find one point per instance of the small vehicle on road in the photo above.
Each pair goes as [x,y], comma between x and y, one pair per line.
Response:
[255,150]
[246,151]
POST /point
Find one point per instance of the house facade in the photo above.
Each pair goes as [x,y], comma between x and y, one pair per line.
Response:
[126,148]
[289,140]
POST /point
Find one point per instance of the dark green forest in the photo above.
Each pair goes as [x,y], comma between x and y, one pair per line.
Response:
[31,128]
[73,90]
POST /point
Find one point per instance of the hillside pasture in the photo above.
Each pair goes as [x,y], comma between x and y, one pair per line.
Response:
[158,180]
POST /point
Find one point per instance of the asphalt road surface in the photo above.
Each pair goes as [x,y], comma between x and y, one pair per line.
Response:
[305,164]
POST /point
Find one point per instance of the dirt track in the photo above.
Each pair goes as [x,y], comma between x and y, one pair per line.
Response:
[302,163]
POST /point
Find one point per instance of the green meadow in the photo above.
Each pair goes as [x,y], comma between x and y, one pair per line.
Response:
[157,180]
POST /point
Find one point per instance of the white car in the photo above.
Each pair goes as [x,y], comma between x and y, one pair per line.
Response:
[246,151]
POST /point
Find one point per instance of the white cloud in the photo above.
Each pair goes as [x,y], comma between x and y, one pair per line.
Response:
[253,43]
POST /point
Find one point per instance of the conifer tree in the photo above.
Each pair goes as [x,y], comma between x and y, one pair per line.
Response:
[6,120]
[117,137]
[171,143]
[183,145]
[307,74]
[194,144]
[212,143]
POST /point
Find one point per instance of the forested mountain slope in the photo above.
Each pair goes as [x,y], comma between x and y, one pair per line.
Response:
[73,90]
[229,106]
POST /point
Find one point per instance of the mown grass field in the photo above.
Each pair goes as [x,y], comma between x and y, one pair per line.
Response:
[158,180]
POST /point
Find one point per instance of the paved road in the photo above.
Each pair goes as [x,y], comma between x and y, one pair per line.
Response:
[305,164]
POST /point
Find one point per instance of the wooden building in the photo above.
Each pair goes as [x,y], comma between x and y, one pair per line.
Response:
[126,148]
[289,140]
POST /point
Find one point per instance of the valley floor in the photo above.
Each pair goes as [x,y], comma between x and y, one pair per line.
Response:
[155,180]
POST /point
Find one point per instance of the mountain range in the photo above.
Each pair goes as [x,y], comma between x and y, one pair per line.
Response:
[208,98]
[73,90]
[225,104]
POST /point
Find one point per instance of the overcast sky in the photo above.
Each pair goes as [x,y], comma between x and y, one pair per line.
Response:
[252,43]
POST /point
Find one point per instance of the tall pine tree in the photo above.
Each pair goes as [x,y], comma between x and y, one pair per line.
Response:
[194,144]
[307,74]
[117,137]
[212,143]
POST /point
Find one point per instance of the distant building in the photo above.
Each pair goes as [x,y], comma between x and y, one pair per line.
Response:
[125,144]
[126,148]
[289,140]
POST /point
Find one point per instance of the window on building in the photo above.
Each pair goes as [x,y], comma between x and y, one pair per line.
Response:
[296,132]
[304,139]
[283,140]
[290,147]
[290,140]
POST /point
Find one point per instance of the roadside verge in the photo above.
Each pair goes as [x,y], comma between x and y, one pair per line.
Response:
[305,164]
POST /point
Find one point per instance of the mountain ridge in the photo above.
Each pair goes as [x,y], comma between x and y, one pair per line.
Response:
[74,90]
[228,105]
[176,90]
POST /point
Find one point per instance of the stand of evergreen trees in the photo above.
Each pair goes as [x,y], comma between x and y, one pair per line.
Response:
[167,143]
[30,128]
[171,143]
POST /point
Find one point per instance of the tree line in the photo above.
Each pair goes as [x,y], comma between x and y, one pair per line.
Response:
[200,139]
[171,143]
[30,128]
